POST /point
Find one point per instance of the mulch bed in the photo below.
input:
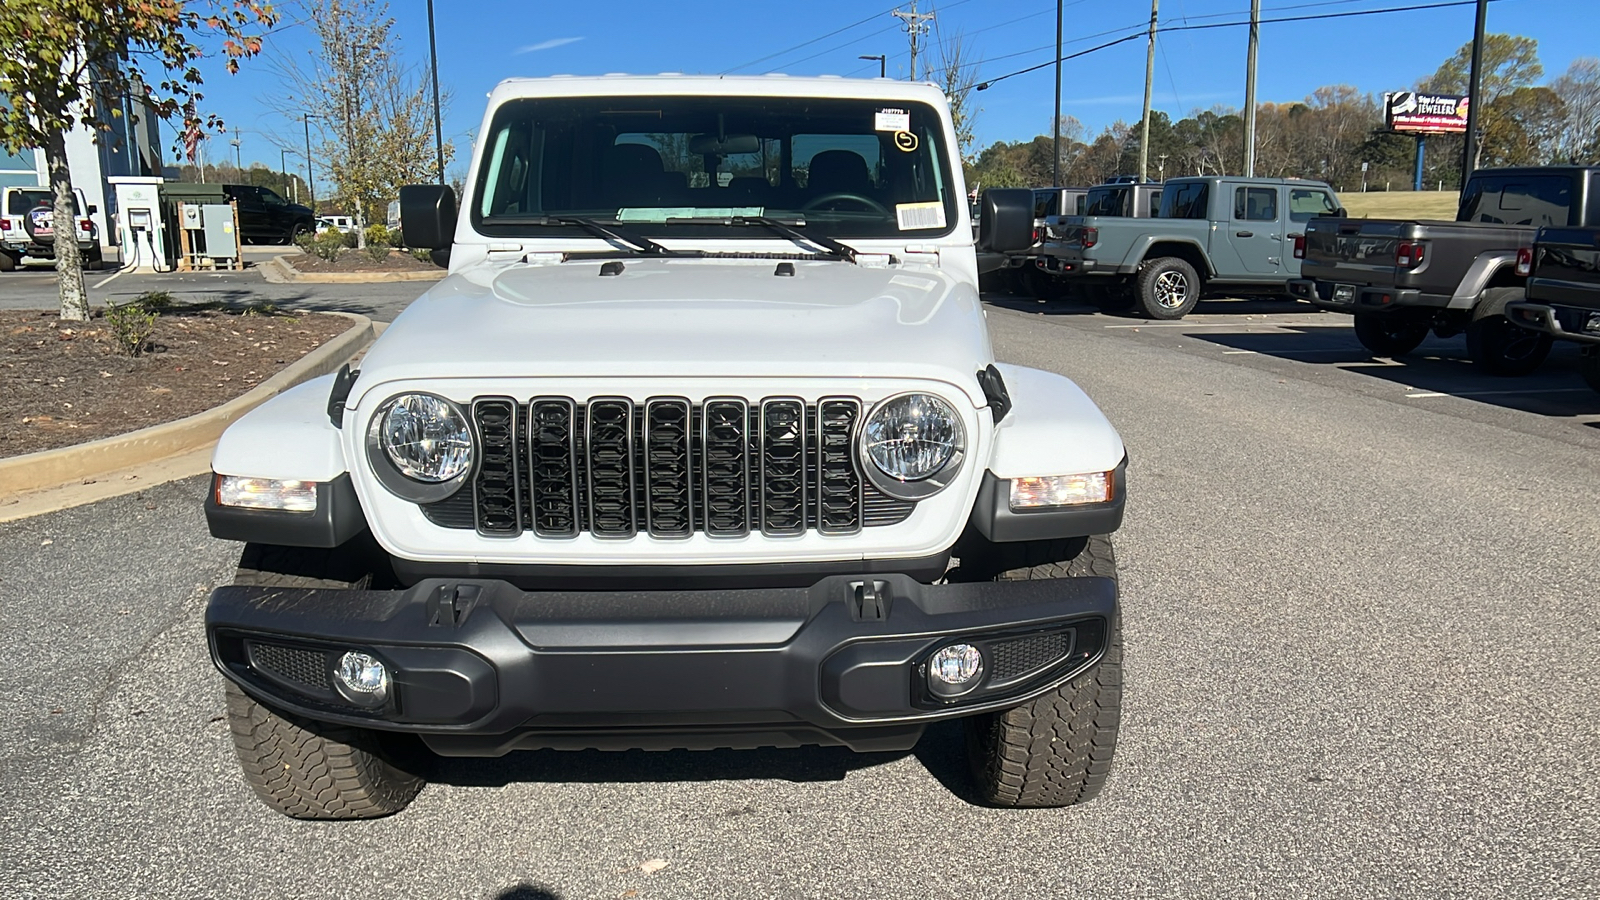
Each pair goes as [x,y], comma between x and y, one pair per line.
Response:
[359,261]
[66,383]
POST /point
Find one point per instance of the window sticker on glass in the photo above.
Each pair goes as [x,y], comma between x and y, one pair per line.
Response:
[905,140]
[892,120]
[913,216]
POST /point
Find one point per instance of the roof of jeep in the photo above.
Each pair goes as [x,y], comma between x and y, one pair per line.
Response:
[713,85]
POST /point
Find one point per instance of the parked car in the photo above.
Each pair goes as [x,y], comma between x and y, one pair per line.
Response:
[1404,278]
[1014,270]
[341,224]
[1211,234]
[646,474]
[27,222]
[266,217]
[1114,199]
[1562,300]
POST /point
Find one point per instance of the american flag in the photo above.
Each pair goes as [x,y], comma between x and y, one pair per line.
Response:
[191,143]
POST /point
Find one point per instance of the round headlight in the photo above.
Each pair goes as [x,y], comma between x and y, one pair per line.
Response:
[426,437]
[912,437]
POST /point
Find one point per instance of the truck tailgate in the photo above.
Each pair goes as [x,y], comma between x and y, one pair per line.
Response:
[1566,268]
[1359,251]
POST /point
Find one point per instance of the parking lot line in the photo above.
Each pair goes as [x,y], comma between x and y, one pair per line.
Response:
[114,277]
[1495,393]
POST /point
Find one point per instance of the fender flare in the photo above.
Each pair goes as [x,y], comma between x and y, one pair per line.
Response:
[1484,267]
[1141,249]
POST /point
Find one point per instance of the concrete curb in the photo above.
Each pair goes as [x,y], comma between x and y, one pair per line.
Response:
[289,274]
[83,462]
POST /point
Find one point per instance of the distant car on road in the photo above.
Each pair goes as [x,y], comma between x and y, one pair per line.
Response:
[264,216]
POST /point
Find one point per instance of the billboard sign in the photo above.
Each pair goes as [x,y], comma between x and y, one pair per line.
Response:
[1414,112]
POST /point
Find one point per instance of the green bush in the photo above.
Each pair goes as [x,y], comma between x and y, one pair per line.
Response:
[306,242]
[131,327]
[328,245]
[378,242]
[421,255]
[155,301]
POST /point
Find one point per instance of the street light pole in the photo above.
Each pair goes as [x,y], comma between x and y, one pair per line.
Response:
[883,64]
[1055,166]
[438,125]
[1469,150]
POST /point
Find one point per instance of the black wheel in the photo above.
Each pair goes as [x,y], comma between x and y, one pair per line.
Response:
[1589,368]
[1389,335]
[8,263]
[316,770]
[94,259]
[1037,283]
[1499,346]
[299,230]
[1167,288]
[1056,749]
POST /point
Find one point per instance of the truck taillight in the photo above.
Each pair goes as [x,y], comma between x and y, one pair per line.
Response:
[1036,235]
[86,224]
[1091,236]
[5,224]
[1299,246]
[1525,261]
[1410,254]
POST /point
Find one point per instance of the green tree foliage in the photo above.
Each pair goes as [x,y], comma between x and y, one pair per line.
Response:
[1509,62]
[60,57]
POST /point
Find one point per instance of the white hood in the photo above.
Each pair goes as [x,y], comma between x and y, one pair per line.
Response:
[686,318]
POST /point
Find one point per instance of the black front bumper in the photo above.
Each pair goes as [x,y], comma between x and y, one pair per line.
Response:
[480,668]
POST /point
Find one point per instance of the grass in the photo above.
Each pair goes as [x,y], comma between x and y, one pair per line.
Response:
[1401,204]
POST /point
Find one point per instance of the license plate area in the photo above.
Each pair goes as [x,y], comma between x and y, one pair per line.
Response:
[1592,326]
[1344,293]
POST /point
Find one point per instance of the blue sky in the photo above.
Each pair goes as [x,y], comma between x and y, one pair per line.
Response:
[482,42]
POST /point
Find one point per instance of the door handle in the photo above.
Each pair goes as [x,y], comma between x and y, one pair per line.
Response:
[1244,234]
[1272,237]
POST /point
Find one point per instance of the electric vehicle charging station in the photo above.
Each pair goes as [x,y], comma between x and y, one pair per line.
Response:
[141,231]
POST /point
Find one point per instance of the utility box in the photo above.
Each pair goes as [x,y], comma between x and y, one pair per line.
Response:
[222,241]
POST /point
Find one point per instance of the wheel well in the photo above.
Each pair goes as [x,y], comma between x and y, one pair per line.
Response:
[1189,253]
[1505,276]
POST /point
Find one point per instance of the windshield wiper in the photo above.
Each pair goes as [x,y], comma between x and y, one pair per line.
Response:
[636,242]
[796,233]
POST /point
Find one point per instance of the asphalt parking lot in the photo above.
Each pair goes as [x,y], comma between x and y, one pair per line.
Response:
[1359,603]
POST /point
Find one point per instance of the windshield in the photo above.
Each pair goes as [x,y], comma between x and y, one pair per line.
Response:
[19,202]
[680,166]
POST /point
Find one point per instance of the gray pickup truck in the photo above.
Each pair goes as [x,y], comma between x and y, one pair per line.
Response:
[1016,272]
[1562,301]
[1209,234]
[1403,278]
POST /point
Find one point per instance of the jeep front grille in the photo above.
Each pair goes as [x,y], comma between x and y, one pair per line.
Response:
[668,468]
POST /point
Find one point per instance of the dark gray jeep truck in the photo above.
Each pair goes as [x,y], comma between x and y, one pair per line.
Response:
[1016,271]
[1562,300]
[1402,278]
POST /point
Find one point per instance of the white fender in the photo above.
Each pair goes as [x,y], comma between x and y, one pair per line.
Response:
[1053,428]
[288,437]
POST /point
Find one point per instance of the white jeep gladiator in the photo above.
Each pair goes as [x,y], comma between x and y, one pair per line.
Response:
[700,444]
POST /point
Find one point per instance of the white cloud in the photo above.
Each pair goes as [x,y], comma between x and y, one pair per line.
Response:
[548,45]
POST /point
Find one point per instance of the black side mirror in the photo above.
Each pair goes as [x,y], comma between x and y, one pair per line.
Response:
[427,216]
[1005,220]
[1342,213]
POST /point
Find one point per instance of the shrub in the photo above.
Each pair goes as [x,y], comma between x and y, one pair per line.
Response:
[328,245]
[379,233]
[155,301]
[306,242]
[421,255]
[377,242]
[131,327]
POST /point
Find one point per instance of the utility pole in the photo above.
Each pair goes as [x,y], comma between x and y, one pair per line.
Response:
[283,169]
[1250,92]
[311,172]
[1469,154]
[1056,163]
[916,27]
[438,125]
[1149,79]
[238,154]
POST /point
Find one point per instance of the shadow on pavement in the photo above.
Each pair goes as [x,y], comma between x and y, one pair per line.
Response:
[803,764]
[526,891]
[943,752]
[1253,306]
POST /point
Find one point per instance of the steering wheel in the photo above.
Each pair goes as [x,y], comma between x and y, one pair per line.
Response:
[846,195]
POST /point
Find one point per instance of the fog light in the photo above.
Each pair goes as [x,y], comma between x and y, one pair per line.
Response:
[362,678]
[266,493]
[954,670]
[1062,490]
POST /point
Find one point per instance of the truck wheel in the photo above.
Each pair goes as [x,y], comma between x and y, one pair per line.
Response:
[1168,288]
[1589,368]
[1054,750]
[1389,335]
[1039,285]
[313,770]
[8,263]
[1499,346]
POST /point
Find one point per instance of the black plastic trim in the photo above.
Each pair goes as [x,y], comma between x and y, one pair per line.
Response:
[646,578]
[337,518]
[994,518]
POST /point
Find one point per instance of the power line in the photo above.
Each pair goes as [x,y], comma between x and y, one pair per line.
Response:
[1306,18]
[872,18]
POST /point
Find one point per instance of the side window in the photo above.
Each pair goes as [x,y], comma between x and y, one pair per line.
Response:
[1185,201]
[1305,205]
[1255,204]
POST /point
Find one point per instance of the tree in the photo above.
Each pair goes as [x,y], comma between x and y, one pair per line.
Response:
[1579,90]
[1510,61]
[61,54]
[375,112]
[1525,128]
[957,73]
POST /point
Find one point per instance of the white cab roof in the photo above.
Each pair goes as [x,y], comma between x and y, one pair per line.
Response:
[715,86]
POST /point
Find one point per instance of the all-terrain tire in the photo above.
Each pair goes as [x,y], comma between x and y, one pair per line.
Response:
[1589,368]
[1166,288]
[1389,335]
[313,770]
[8,263]
[1056,749]
[1501,347]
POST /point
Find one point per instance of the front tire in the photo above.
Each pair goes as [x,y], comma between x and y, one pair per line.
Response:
[1389,335]
[1167,288]
[1056,749]
[1499,346]
[1589,368]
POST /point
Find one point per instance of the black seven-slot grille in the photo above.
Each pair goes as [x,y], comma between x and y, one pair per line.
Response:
[667,468]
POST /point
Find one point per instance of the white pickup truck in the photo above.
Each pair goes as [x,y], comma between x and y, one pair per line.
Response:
[27,220]
[700,444]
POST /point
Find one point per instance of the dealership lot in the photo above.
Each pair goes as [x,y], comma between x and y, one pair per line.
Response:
[1360,629]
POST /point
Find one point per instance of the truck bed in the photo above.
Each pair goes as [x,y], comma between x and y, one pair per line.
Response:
[1362,252]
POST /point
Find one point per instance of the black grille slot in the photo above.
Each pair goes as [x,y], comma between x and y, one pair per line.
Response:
[552,462]
[454,511]
[1019,656]
[726,431]
[669,495]
[838,483]
[308,668]
[497,504]
[783,467]
[610,454]
[879,509]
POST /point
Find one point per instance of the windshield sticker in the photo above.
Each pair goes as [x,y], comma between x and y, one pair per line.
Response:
[892,120]
[905,140]
[912,216]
